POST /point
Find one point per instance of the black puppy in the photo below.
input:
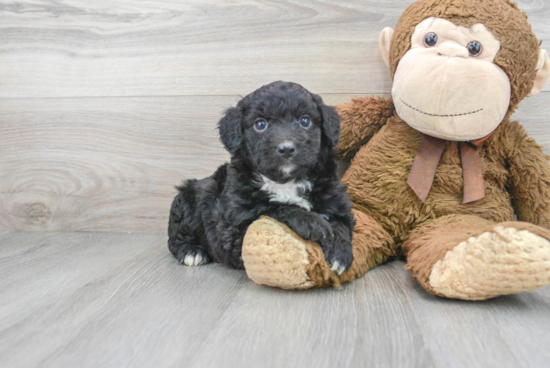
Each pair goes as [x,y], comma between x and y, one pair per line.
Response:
[281,140]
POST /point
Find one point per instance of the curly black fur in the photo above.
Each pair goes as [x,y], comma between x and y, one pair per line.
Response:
[209,217]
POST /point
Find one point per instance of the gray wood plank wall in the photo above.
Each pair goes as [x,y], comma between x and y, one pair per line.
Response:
[106,105]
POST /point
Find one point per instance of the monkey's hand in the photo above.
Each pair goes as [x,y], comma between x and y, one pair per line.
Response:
[360,120]
[529,176]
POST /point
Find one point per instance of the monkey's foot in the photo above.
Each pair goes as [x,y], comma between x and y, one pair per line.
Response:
[274,255]
[504,260]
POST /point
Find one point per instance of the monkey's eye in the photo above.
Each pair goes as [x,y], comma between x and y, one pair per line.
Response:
[474,48]
[430,40]
[260,125]
[305,122]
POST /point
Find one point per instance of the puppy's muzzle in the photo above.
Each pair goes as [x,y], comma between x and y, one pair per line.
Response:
[287,149]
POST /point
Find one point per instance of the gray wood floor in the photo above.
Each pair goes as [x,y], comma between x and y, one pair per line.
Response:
[121,300]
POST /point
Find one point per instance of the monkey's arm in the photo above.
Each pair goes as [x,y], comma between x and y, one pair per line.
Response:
[529,176]
[361,119]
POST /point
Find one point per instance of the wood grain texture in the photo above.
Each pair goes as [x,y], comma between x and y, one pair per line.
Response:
[110,164]
[121,300]
[103,164]
[71,48]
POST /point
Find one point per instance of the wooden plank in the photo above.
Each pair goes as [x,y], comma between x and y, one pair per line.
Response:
[368,323]
[71,48]
[121,300]
[10,248]
[92,281]
[497,330]
[103,164]
[110,164]
[82,256]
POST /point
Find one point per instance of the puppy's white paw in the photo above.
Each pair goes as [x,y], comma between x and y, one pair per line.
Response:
[194,260]
[337,267]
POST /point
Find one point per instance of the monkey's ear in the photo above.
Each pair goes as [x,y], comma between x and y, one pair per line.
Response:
[331,121]
[543,71]
[385,42]
[231,131]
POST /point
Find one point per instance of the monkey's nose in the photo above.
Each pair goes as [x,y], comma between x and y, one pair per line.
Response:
[286,149]
[452,50]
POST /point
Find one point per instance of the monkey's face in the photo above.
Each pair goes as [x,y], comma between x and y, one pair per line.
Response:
[447,85]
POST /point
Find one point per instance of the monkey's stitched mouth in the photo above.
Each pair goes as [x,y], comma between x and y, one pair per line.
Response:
[441,116]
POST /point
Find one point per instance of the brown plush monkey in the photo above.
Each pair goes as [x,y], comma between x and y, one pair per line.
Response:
[439,170]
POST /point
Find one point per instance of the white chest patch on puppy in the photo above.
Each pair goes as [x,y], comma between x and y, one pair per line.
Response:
[290,192]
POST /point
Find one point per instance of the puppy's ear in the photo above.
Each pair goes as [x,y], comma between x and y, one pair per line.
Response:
[331,121]
[231,131]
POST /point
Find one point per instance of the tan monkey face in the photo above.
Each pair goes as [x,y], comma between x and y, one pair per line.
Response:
[447,85]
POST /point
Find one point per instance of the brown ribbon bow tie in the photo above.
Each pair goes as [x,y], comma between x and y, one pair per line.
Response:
[427,159]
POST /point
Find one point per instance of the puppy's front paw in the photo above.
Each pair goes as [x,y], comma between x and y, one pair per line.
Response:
[315,228]
[339,259]
[193,257]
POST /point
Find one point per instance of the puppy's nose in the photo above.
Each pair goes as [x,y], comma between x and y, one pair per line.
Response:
[286,149]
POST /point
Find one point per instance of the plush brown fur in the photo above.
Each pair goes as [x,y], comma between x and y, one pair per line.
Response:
[371,114]
[377,179]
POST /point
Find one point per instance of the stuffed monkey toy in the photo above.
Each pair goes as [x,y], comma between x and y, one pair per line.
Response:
[439,170]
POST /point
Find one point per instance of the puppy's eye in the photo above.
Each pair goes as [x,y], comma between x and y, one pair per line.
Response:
[474,48]
[260,125]
[430,40]
[305,122]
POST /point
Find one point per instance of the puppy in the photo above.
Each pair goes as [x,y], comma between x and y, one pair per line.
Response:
[283,165]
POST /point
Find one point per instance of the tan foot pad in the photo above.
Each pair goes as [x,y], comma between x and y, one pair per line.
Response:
[500,262]
[275,256]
